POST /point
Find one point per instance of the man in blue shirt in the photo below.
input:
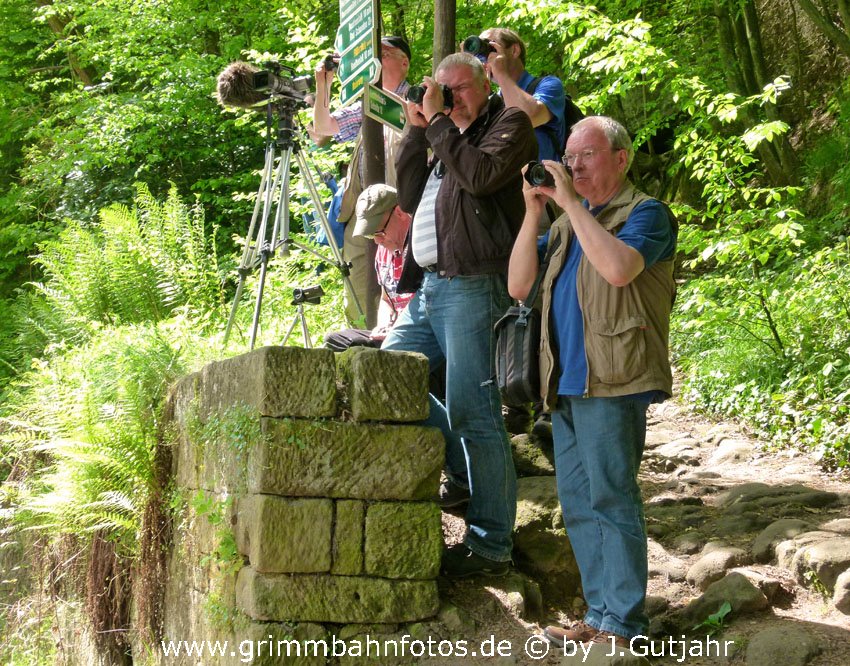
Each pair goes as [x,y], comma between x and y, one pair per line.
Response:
[544,105]
[607,295]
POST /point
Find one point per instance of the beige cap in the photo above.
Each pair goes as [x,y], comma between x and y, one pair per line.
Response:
[372,204]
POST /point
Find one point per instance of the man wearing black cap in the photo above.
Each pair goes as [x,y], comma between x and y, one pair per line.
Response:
[344,125]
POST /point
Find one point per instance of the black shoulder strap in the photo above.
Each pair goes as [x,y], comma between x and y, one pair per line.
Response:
[532,294]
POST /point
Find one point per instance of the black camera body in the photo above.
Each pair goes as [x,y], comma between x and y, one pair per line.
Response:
[296,87]
[537,176]
[416,94]
[311,295]
[478,47]
[331,62]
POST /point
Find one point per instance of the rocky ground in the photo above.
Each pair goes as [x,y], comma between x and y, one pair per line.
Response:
[766,533]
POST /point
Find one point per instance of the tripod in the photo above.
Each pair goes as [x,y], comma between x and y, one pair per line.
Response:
[263,239]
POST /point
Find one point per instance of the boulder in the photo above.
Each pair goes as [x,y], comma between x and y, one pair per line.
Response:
[765,543]
[788,645]
[714,565]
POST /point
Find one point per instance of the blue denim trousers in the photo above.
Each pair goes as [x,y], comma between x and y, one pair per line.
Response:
[451,320]
[598,447]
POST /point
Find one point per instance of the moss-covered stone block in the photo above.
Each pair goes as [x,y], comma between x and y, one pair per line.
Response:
[403,540]
[276,381]
[348,538]
[285,535]
[337,599]
[346,460]
[275,643]
[384,386]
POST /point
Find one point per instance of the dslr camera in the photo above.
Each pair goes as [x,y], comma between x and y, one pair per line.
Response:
[478,47]
[537,176]
[415,94]
[331,62]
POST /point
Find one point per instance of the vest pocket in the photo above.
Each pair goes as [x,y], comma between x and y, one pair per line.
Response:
[616,349]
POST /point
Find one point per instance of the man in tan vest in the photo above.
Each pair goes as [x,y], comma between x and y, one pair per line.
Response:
[607,295]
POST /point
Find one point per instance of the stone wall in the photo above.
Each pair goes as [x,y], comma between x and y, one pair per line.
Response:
[303,500]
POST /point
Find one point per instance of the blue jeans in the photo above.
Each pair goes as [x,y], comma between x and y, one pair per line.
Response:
[598,447]
[451,320]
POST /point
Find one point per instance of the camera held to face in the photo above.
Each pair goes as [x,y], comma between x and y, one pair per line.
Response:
[537,176]
[331,62]
[478,47]
[416,94]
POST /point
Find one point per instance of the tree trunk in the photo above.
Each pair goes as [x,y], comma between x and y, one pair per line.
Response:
[59,26]
[827,26]
[739,38]
[444,30]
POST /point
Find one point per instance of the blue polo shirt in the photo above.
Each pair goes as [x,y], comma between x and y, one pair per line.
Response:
[648,230]
[550,91]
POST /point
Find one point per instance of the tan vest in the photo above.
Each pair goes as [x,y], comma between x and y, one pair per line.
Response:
[354,183]
[626,329]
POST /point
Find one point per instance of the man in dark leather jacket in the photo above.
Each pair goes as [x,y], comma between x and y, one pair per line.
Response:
[467,208]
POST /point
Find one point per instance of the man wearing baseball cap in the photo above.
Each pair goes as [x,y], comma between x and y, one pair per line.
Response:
[344,125]
[378,218]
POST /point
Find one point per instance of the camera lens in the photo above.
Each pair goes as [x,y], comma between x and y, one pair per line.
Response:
[476,46]
[537,176]
[415,94]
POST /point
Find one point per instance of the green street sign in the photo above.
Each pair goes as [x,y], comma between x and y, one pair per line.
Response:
[384,107]
[348,6]
[353,60]
[356,43]
[355,26]
[352,88]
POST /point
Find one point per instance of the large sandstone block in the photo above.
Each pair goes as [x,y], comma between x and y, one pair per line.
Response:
[346,460]
[276,381]
[283,535]
[384,386]
[348,538]
[403,540]
[337,599]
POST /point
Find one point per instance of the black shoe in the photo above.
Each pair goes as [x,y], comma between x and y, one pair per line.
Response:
[452,495]
[460,562]
[517,419]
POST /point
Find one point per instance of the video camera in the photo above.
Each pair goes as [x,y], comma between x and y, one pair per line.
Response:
[247,86]
[312,295]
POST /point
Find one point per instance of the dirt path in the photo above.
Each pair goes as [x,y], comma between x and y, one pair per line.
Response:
[704,483]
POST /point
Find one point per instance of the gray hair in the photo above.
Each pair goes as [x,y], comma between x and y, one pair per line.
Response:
[464,60]
[616,134]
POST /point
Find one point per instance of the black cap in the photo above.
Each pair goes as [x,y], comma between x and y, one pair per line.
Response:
[397,43]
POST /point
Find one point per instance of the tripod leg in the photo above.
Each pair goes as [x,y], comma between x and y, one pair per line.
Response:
[251,242]
[323,220]
[289,330]
[304,331]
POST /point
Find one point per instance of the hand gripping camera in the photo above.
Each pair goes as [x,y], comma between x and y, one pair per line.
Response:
[416,94]
[478,47]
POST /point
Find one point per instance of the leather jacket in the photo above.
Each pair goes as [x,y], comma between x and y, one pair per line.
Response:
[479,206]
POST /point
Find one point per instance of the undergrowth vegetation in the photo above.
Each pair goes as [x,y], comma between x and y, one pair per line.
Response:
[123,301]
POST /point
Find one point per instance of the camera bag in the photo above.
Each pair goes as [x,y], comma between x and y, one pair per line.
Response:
[518,346]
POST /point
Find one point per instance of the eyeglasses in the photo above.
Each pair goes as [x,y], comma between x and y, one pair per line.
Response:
[585,155]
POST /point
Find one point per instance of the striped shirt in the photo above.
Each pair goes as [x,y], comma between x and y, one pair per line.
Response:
[424,236]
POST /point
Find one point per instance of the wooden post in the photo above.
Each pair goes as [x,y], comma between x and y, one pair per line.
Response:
[374,170]
[445,41]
